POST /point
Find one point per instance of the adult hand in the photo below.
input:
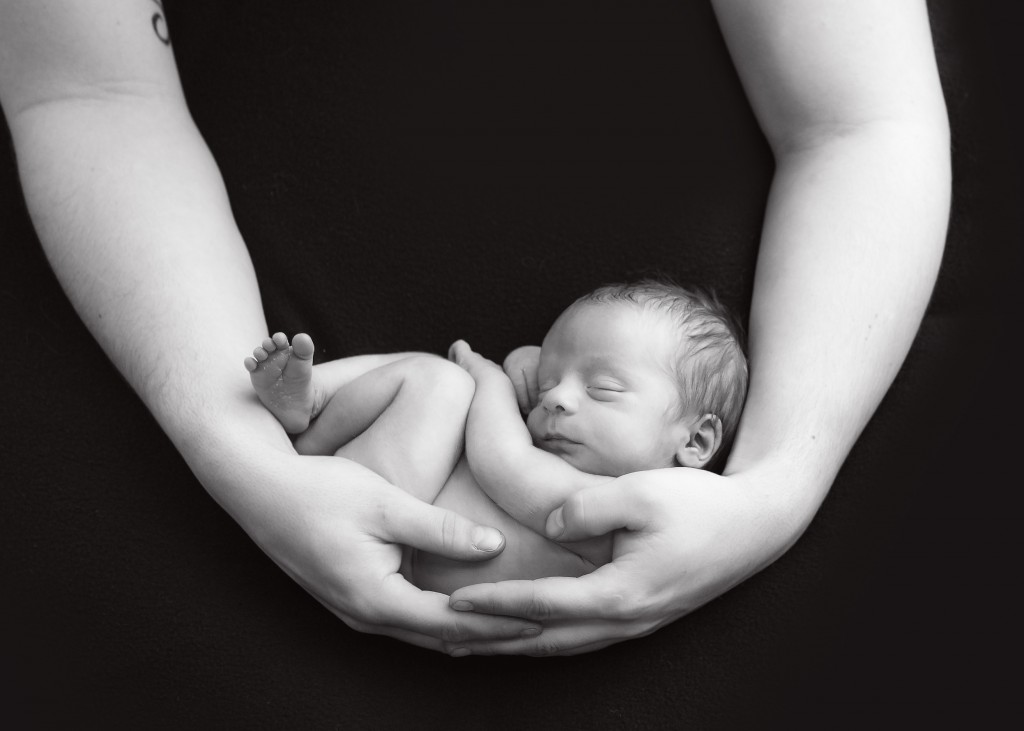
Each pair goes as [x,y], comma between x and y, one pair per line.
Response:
[335,526]
[683,537]
[521,367]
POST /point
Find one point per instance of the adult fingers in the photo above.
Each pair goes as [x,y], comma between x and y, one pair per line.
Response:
[395,608]
[572,639]
[597,510]
[411,522]
[604,594]
[424,618]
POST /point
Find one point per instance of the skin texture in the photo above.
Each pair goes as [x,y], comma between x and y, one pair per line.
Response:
[608,401]
[96,112]
[848,97]
[406,420]
[608,404]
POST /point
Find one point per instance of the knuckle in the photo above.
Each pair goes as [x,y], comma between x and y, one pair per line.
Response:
[614,605]
[574,512]
[644,496]
[545,648]
[630,605]
[453,632]
[630,608]
[449,531]
[539,608]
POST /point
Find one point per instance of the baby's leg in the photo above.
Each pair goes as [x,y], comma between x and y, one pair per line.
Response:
[405,420]
[282,377]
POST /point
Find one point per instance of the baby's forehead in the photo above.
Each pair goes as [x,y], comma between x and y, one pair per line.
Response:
[644,318]
[624,330]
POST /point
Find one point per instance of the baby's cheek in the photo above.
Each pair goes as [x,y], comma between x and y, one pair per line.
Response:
[532,425]
[633,451]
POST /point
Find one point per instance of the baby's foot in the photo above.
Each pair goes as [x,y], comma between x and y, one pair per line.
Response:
[283,378]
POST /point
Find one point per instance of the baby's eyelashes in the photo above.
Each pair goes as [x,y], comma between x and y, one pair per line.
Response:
[604,394]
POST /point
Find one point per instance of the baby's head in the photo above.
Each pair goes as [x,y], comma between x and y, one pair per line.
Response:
[640,376]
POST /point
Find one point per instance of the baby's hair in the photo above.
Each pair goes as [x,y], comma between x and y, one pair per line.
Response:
[710,364]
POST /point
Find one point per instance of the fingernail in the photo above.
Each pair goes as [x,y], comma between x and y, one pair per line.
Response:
[486,539]
[459,652]
[530,632]
[462,606]
[556,524]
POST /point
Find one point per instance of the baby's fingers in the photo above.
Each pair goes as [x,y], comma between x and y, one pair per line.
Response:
[459,351]
[521,367]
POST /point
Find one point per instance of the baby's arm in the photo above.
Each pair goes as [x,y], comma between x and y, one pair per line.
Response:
[526,482]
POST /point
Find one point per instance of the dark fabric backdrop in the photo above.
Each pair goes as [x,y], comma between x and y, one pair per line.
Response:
[406,176]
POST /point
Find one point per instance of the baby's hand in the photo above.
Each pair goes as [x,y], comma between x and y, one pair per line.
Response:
[521,367]
[474,363]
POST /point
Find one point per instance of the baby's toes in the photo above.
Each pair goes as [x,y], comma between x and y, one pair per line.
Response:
[280,340]
[269,345]
[302,346]
[250,364]
[260,354]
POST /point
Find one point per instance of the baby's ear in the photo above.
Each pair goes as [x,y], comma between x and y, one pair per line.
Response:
[704,439]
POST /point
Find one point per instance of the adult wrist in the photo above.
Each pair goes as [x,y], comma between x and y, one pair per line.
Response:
[787,495]
[232,427]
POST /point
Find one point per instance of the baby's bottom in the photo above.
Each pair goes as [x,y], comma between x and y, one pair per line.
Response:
[406,421]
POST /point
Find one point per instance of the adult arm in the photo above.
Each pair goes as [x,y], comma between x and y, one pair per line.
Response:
[849,99]
[133,216]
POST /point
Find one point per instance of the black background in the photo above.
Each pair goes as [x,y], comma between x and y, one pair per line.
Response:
[407,176]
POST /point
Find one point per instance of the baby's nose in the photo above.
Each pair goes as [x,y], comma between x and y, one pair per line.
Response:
[561,398]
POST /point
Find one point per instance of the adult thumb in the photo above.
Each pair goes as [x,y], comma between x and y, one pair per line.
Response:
[414,523]
[592,512]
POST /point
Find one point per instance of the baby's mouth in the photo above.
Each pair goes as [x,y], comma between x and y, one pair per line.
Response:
[556,440]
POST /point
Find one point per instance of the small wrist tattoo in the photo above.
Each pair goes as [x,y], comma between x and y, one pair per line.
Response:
[160,25]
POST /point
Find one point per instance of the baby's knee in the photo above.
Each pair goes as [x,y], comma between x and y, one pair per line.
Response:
[440,380]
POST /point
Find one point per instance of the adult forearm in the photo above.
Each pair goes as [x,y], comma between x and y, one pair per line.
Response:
[132,213]
[852,240]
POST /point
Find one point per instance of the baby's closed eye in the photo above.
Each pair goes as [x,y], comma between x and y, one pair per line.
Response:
[605,389]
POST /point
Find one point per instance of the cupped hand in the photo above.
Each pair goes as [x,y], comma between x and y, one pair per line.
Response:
[337,528]
[683,537]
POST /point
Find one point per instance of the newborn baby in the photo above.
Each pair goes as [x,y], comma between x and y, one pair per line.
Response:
[629,377]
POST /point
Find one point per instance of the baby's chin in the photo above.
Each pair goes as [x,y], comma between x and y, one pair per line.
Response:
[584,458]
[604,465]
[586,461]
[577,455]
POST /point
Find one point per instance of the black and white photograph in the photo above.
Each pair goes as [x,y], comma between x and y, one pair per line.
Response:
[511,364]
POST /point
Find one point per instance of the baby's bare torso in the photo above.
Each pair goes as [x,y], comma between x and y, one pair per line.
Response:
[527,554]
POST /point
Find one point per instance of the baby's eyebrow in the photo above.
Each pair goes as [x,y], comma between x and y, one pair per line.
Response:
[604,362]
[612,370]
